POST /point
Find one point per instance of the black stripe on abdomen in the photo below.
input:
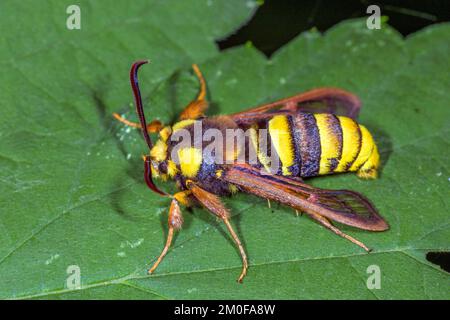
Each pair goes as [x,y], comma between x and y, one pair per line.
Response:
[335,127]
[309,143]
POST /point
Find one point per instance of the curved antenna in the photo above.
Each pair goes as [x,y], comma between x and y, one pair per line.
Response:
[140,112]
[148,176]
[137,98]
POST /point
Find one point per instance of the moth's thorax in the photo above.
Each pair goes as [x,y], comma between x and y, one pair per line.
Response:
[181,152]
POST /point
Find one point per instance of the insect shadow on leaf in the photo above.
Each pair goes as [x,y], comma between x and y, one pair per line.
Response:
[384,143]
[111,129]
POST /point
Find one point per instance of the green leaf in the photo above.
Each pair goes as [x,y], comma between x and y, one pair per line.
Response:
[71,189]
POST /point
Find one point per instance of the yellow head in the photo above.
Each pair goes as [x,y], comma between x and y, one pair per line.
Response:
[163,167]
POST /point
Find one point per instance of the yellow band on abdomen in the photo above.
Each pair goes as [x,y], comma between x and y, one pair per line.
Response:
[367,144]
[351,141]
[281,136]
[330,142]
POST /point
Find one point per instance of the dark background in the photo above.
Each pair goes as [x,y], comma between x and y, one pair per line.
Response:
[276,22]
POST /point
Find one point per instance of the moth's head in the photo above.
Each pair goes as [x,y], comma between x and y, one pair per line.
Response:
[162,166]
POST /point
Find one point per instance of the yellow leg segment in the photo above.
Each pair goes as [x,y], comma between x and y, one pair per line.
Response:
[175,222]
[152,127]
[198,106]
[327,224]
[240,247]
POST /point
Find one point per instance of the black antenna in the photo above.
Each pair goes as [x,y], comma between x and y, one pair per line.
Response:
[137,98]
[140,112]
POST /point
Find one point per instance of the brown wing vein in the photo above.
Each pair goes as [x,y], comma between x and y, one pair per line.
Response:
[344,206]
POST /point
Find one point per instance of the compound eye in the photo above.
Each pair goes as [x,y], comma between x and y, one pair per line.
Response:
[162,167]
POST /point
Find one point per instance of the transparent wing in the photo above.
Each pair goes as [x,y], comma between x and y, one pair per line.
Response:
[322,100]
[344,206]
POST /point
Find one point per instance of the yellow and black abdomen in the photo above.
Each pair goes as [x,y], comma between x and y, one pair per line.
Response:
[308,145]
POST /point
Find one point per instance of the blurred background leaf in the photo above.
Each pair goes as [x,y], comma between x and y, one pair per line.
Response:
[71,190]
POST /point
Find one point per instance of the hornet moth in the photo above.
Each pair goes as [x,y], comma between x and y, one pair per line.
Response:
[309,134]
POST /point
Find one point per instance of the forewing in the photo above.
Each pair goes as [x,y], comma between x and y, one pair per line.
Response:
[322,100]
[344,206]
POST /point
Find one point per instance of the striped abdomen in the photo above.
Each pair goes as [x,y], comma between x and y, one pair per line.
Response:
[308,145]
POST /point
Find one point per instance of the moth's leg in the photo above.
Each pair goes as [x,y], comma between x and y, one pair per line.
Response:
[327,224]
[212,203]
[175,222]
[152,127]
[240,247]
[297,213]
[202,94]
[197,107]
